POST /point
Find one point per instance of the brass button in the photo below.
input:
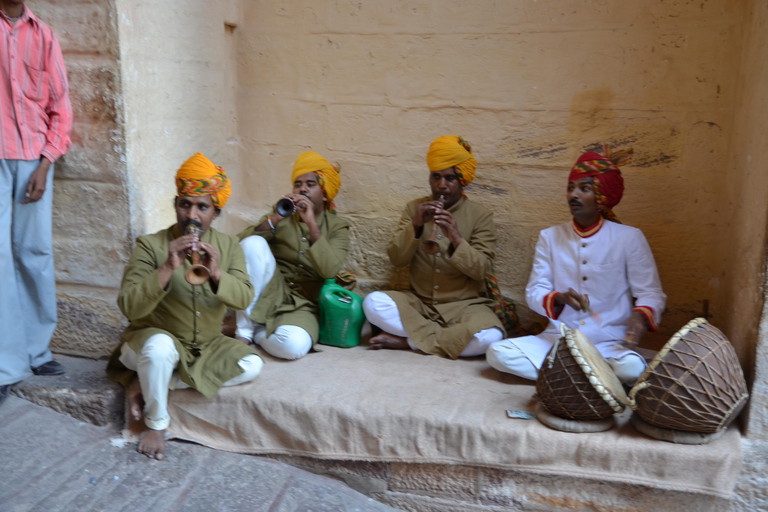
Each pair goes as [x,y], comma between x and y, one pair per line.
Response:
[435,302]
[197,313]
[301,253]
[583,245]
[437,270]
[437,287]
[301,266]
[582,322]
[438,255]
[197,331]
[439,236]
[303,239]
[584,278]
[197,294]
[194,344]
[584,262]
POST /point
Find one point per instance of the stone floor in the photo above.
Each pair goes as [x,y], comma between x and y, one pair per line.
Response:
[51,462]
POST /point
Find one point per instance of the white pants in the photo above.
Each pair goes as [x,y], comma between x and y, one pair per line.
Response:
[507,356]
[155,365]
[288,341]
[381,311]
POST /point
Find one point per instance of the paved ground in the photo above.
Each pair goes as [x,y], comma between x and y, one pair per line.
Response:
[50,462]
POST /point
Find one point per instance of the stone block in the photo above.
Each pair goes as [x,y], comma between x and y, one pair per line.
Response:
[417,503]
[88,326]
[84,392]
[92,262]
[90,211]
[80,27]
[97,154]
[368,248]
[433,479]
[481,17]
[94,89]
[365,477]
[557,493]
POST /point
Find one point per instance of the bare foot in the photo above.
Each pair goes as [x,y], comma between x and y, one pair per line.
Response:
[152,444]
[386,340]
[135,400]
[245,341]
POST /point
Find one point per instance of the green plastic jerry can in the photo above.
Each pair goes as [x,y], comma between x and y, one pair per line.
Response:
[341,316]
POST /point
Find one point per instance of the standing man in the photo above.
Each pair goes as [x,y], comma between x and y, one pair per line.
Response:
[592,273]
[173,324]
[289,259]
[447,313]
[35,122]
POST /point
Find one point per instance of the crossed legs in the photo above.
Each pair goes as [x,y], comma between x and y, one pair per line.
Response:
[148,392]
[381,311]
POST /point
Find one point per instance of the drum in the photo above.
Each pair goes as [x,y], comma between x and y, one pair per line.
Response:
[694,384]
[577,383]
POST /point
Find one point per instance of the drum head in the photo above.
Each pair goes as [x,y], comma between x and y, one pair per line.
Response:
[607,383]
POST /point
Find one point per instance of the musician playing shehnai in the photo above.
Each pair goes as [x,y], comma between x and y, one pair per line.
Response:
[174,338]
[446,312]
[289,258]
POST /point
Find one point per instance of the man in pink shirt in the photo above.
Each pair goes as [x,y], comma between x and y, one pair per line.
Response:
[35,121]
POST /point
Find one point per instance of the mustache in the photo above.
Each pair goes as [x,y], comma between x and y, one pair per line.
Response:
[192,222]
[574,202]
[305,195]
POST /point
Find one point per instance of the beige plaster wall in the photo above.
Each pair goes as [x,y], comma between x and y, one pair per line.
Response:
[530,85]
[747,188]
[178,68]
[90,213]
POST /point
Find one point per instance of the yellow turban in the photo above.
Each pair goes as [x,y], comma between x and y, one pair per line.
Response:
[198,176]
[328,176]
[449,151]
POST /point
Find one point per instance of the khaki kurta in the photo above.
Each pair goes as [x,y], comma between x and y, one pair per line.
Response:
[290,298]
[190,315]
[448,304]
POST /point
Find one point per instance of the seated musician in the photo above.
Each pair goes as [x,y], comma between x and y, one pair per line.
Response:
[592,273]
[446,312]
[289,259]
[173,324]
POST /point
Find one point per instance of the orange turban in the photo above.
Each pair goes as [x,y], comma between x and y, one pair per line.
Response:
[328,176]
[198,176]
[452,151]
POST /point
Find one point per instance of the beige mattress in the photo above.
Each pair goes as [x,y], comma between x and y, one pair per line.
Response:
[360,404]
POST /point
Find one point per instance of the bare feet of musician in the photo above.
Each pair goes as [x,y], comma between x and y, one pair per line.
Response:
[135,400]
[152,443]
[386,340]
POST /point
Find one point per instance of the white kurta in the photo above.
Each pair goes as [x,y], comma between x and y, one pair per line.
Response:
[614,267]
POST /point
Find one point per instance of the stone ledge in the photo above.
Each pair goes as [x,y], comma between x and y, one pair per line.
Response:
[84,392]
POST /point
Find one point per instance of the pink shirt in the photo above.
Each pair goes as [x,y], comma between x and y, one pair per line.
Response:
[35,113]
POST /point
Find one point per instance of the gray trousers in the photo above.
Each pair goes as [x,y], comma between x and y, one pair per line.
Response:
[27,280]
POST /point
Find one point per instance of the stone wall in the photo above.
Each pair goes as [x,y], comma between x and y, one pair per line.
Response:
[530,85]
[91,225]
[747,184]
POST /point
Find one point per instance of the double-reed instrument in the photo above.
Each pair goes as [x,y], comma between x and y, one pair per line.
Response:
[285,207]
[430,245]
[198,273]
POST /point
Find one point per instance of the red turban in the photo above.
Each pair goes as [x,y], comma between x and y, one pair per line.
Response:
[604,170]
